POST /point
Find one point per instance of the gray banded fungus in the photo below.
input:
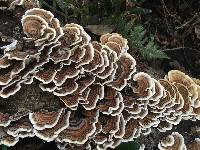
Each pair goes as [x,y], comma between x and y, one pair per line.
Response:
[89,77]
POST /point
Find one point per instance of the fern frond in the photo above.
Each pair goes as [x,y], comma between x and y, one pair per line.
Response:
[136,35]
[151,51]
[146,46]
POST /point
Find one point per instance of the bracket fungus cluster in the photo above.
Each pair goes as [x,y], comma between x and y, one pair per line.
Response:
[89,78]
[162,103]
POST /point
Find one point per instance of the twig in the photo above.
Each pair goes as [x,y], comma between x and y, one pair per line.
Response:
[180,48]
[188,22]
[172,15]
[164,10]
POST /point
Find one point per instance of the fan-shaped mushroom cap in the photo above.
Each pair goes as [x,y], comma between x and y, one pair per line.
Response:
[18,127]
[173,141]
[111,126]
[132,130]
[5,62]
[34,26]
[164,101]
[96,93]
[164,126]
[180,77]
[66,88]
[88,57]
[40,27]
[10,71]
[106,67]
[183,90]
[60,54]
[47,73]
[79,129]
[159,91]
[122,124]
[134,110]
[70,101]
[115,41]
[74,34]
[65,72]
[96,62]
[145,84]
[179,101]
[44,119]
[168,87]
[115,47]
[49,134]
[111,101]
[126,67]
[81,93]
[119,110]
[100,138]
[46,15]
[151,119]
[11,88]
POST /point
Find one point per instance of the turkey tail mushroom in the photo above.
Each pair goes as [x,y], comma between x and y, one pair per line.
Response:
[90,78]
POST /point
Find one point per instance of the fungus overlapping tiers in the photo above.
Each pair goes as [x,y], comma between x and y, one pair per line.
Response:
[66,62]
[163,103]
[88,76]
[85,75]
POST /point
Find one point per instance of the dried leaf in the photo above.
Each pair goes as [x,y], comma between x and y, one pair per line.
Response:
[100,29]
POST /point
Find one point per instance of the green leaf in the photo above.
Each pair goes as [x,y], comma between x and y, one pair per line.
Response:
[128,146]
[41,2]
[61,4]
[139,11]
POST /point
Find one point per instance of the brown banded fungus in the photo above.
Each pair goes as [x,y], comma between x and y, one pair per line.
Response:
[89,78]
